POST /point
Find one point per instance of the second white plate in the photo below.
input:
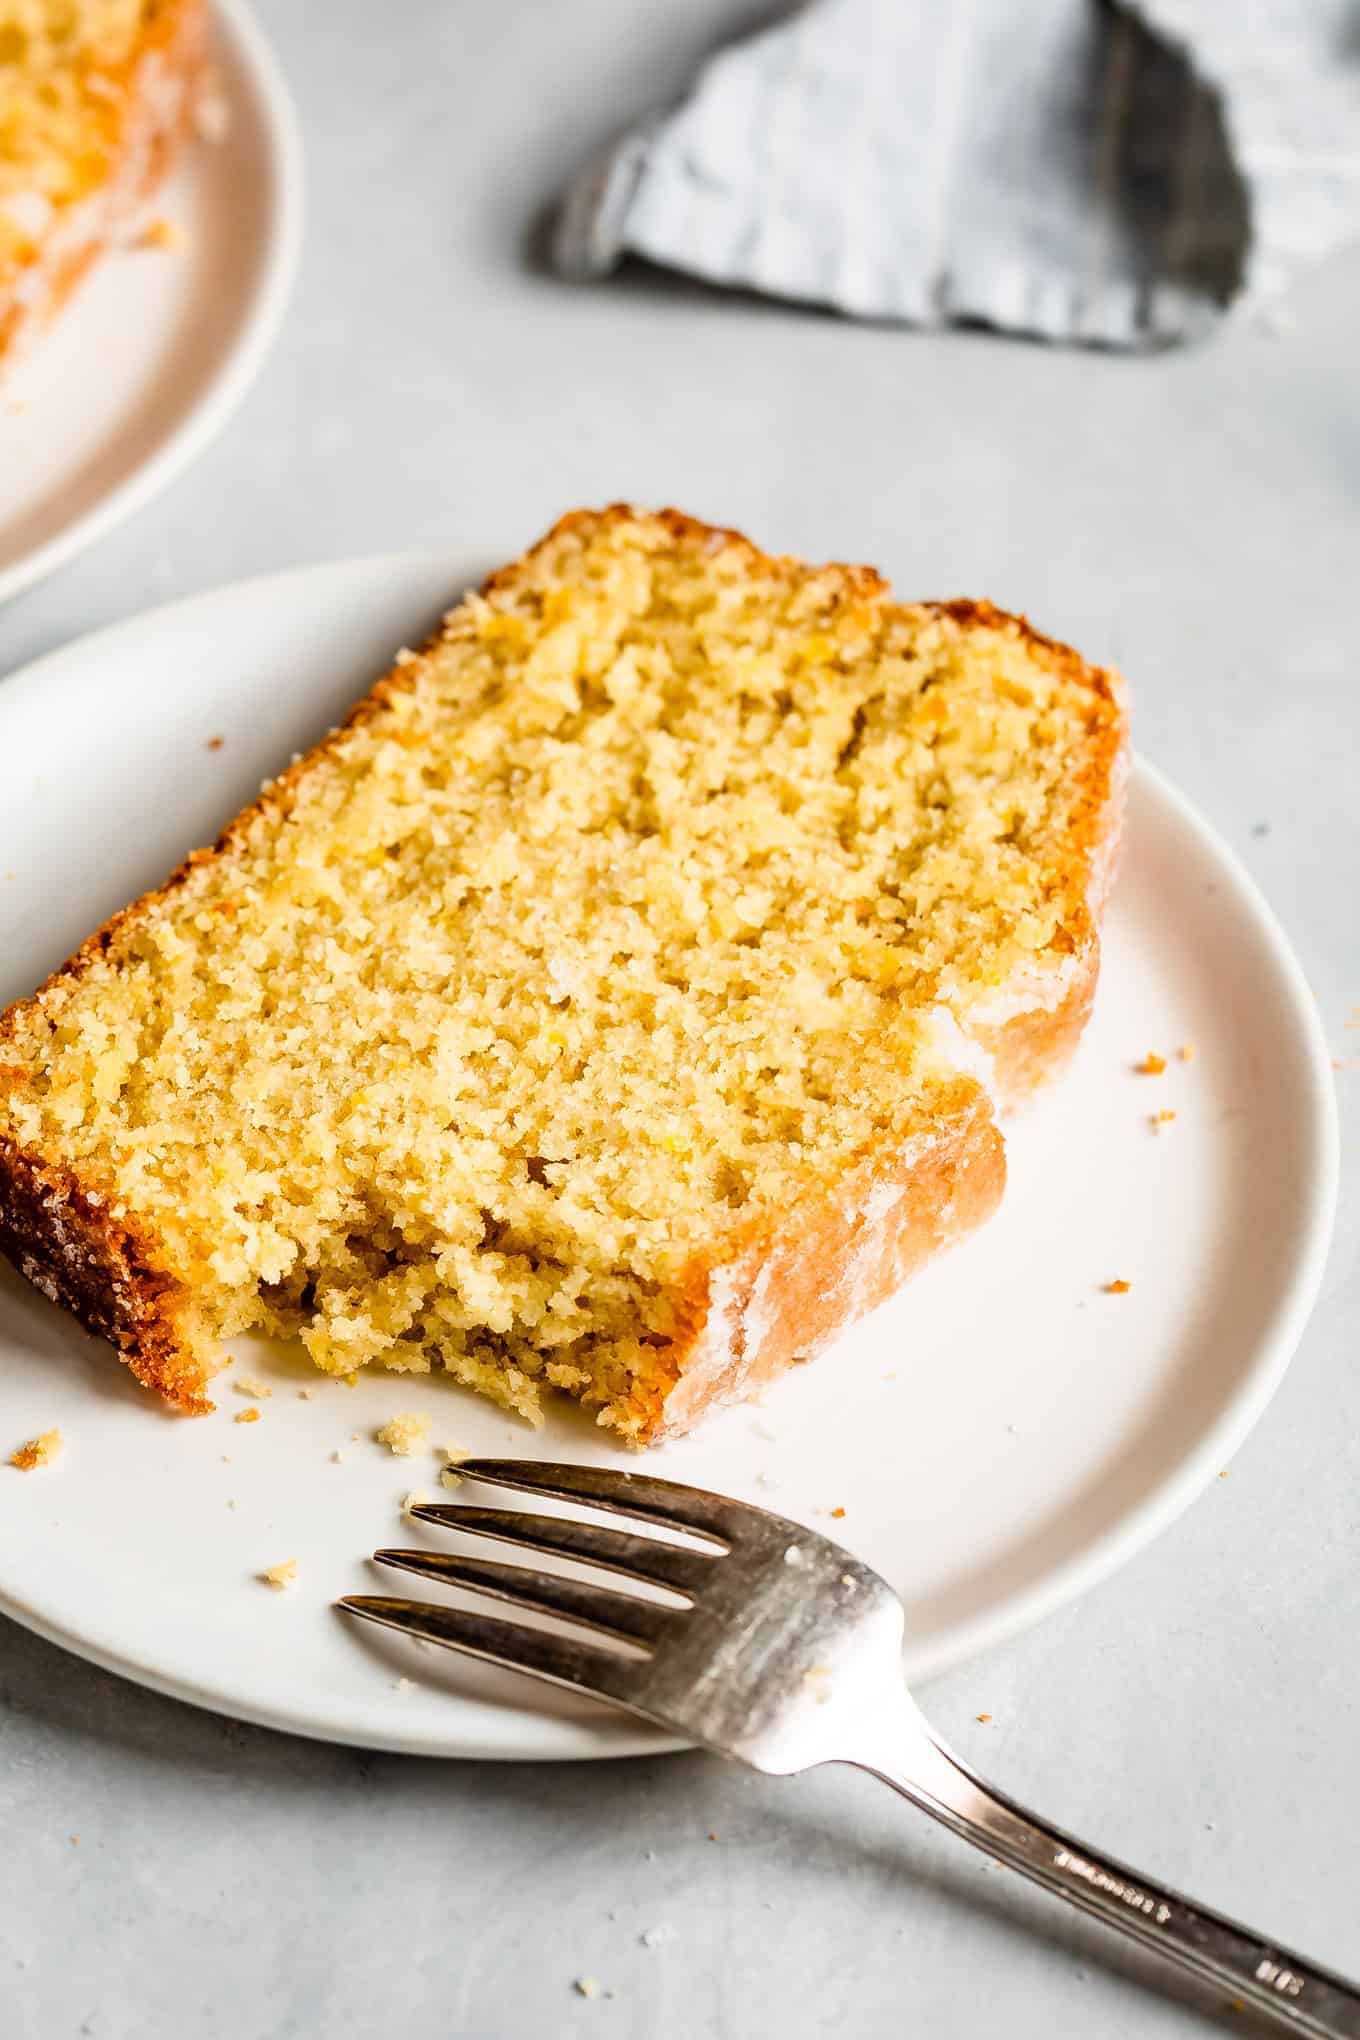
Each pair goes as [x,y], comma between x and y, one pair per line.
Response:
[158,346]
[1000,1436]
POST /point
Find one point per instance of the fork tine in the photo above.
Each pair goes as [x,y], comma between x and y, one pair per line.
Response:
[642,1558]
[629,1494]
[585,1667]
[614,1614]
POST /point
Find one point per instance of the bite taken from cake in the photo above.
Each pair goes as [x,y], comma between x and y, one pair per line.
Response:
[620,1002]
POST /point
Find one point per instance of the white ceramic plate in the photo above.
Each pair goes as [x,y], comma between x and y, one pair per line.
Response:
[1000,1436]
[156,348]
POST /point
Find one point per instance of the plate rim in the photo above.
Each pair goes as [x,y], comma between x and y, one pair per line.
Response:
[556,1739]
[205,418]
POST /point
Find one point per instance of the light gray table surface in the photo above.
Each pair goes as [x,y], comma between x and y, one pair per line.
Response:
[1195,518]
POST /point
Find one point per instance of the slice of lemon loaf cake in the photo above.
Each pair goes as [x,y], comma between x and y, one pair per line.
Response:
[619,1002]
[94,98]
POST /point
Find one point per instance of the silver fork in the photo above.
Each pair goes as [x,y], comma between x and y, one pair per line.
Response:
[781,1650]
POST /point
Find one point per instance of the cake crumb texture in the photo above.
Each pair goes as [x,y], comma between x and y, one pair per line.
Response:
[617,1004]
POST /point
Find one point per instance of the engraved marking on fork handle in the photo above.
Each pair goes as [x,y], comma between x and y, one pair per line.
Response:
[1155,1909]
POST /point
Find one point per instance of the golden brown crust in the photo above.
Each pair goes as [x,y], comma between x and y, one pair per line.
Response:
[852,1242]
[160,85]
[61,1234]
[850,1245]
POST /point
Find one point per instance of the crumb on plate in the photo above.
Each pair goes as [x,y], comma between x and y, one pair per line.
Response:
[1186,1052]
[250,1384]
[39,1451]
[405,1433]
[1152,1065]
[1119,1287]
[451,1458]
[282,1575]
[1159,1121]
[250,1416]
[161,233]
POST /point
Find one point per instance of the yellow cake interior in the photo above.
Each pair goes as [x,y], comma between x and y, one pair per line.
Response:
[615,926]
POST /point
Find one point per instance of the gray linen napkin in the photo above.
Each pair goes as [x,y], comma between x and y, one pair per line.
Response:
[1082,172]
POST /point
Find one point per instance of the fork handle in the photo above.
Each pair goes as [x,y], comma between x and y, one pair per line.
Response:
[1295,1993]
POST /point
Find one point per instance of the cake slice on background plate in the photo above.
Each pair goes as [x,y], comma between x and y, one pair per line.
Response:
[95,98]
[620,1002]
